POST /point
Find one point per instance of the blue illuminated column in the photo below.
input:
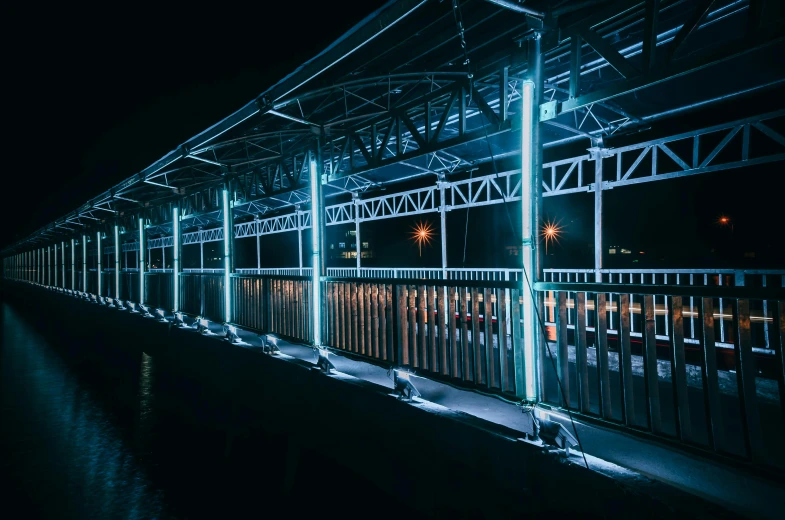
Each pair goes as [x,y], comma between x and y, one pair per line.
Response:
[48,265]
[142,248]
[228,250]
[62,255]
[116,261]
[84,263]
[316,246]
[100,254]
[73,264]
[525,383]
[176,241]
[55,265]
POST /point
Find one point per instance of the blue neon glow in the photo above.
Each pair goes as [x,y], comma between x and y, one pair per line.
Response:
[73,264]
[316,208]
[227,238]
[527,157]
[116,261]
[142,247]
[176,265]
[100,254]
[84,263]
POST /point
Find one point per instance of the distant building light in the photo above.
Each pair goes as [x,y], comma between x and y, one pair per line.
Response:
[365,245]
[342,245]
[625,251]
[611,251]
[351,233]
[332,246]
[641,253]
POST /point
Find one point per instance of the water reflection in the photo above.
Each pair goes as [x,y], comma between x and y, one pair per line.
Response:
[63,453]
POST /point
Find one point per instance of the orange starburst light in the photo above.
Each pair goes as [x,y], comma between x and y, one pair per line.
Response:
[422,234]
[551,231]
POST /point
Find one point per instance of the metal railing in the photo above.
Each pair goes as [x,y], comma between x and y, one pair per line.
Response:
[727,400]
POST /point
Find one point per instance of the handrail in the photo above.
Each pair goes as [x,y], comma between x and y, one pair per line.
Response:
[744,293]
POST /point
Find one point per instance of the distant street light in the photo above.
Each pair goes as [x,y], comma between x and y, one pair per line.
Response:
[422,234]
[551,231]
[725,220]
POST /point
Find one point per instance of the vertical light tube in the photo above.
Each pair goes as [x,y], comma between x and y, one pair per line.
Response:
[176,261]
[228,228]
[316,231]
[142,247]
[48,265]
[84,263]
[116,261]
[99,256]
[525,380]
[443,224]
[55,264]
[73,265]
[357,231]
[62,255]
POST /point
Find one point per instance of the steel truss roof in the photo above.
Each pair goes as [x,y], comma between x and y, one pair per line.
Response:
[398,97]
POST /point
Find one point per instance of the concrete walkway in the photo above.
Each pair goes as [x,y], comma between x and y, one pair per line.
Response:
[607,450]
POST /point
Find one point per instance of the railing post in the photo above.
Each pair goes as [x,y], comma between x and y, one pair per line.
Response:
[177,239]
[228,221]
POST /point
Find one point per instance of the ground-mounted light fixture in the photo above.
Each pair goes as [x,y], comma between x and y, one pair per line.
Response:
[402,385]
[178,321]
[118,303]
[201,325]
[269,344]
[323,362]
[145,310]
[231,333]
[161,315]
[132,306]
[555,436]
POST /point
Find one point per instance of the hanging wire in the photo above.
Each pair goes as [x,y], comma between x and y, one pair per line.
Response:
[525,409]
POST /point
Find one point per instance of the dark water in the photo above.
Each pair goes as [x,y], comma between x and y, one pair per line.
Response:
[132,439]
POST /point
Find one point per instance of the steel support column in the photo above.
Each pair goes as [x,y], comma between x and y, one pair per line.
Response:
[597,155]
[84,263]
[358,250]
[116,261]
[177,241]
[443,223]
[531,199]
[142,248]
[259,251]
[62,255]
[317,233]
[99,256]
[299,215]
[228,204]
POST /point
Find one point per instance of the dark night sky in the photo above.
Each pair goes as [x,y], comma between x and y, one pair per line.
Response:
[94,96]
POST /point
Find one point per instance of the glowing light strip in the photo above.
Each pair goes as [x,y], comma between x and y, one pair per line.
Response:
[176,264]
[62,251]
[100,254]
[227,237]
[21,265]
[142,247]
[84,263]
[527,94]
[316,208]
[73,264]
[116,261]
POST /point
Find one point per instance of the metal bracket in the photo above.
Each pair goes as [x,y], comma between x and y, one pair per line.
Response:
[548,110]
